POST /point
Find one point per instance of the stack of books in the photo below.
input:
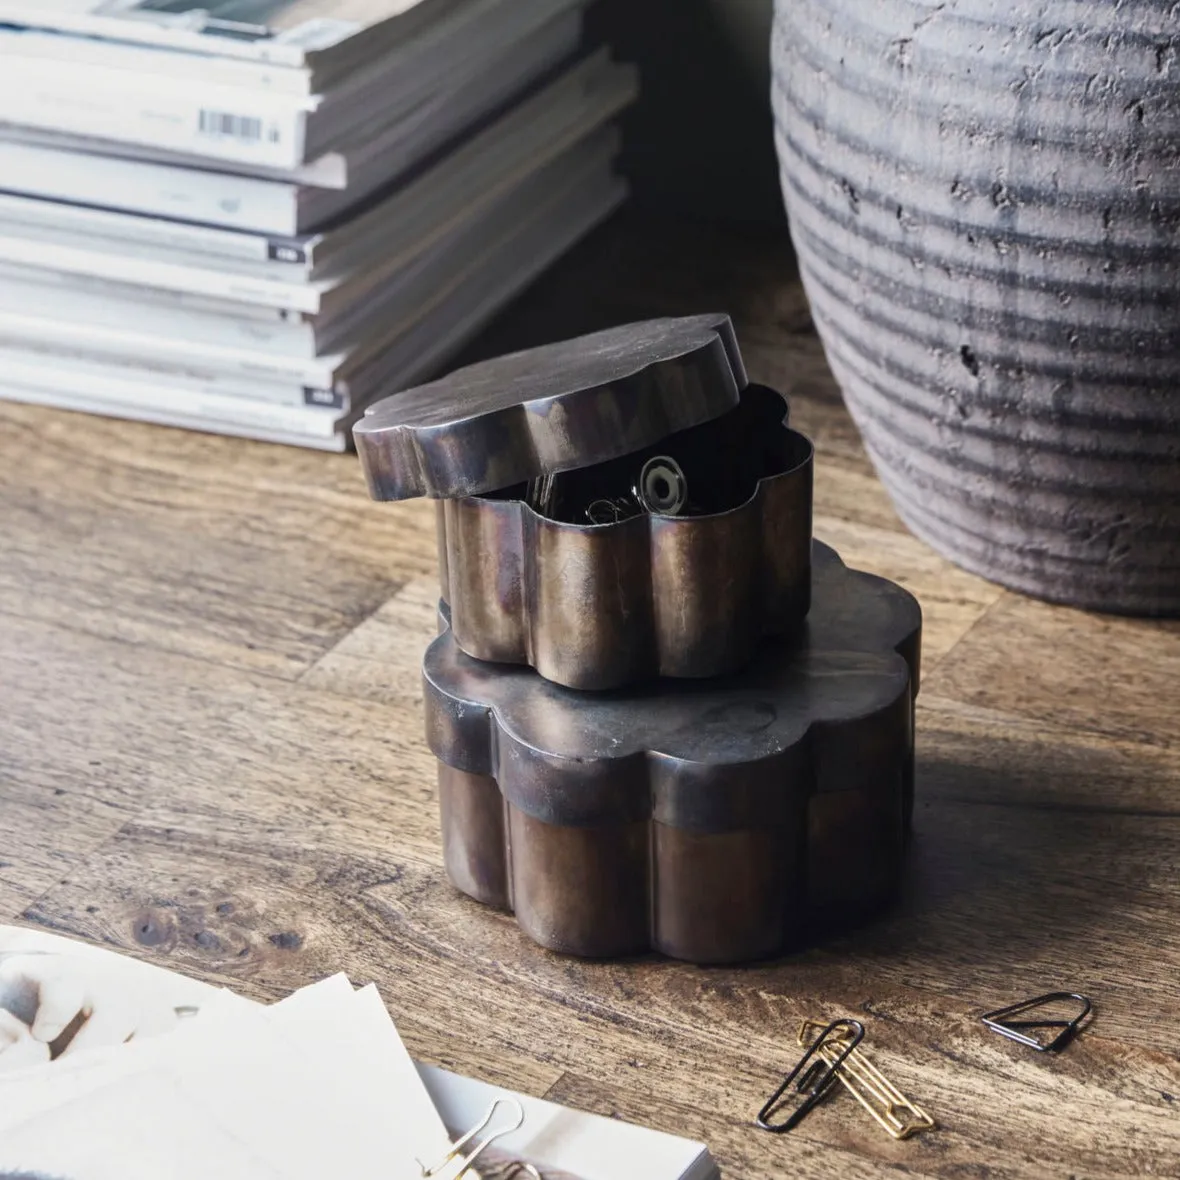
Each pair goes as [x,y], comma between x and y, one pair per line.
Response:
[255,216]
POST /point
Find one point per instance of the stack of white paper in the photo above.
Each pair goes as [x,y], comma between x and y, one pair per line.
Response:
[253,217]
[114,1070]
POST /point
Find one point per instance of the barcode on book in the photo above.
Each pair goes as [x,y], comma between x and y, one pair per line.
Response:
[225,125]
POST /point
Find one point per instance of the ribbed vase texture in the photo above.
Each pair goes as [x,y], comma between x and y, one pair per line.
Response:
[985,201]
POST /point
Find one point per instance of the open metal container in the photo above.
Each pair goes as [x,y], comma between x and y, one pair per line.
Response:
[664,720]
[586,525]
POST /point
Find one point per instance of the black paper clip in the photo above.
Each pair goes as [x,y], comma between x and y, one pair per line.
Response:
[816,1082]
[1000,1021]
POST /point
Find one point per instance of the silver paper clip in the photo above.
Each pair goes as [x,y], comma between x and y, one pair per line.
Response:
[465,1163]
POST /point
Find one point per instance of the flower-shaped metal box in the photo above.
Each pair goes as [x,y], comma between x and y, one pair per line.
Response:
[712,821]
[612,508]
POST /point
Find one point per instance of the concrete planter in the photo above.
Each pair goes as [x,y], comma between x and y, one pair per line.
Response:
[985,201]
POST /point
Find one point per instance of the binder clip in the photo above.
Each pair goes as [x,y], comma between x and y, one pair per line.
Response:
[891,1109]
[455,1165]
[1001,1021]
[818,1078]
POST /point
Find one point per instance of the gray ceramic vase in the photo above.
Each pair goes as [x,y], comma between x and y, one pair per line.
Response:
[985,200]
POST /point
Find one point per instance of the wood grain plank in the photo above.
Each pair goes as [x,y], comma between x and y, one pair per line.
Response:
[62,791]
[222,901]
[381,660]
[132,532]
[1109,675]
[1127,1134]
[79,819]
[741,1150]
[212,911]
[952,601]
[97,732]
[970,753]
[453,974]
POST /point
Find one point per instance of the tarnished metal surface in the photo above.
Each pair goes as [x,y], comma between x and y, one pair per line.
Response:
[601,606]
[550,409]
[712,821]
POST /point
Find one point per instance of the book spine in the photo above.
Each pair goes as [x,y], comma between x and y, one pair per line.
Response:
[104,384]
[199,370]
[33,14]
[313,436]
[121,268]
[218,122]
[100,286]
[266,368]
[153,190]
[105,226]
[109,319]
[54,49]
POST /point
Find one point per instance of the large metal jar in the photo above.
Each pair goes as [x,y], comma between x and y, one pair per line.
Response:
[985,200]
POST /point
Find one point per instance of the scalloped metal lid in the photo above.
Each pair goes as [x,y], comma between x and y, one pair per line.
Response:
[571,404]
[693,753]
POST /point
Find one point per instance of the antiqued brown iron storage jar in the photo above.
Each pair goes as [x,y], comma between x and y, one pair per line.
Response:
[663,720]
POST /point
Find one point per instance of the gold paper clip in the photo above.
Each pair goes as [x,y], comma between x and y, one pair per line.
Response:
[456,1165]
[900,1117]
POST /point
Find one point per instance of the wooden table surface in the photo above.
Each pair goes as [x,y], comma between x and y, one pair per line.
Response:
[211,756]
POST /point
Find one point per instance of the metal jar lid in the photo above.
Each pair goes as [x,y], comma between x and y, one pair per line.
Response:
[573,404]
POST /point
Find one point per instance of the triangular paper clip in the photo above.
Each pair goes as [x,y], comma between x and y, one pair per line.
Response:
[1001,1021]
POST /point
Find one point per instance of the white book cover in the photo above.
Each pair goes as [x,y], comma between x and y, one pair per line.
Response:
[70,253]
[438,324]
[391,236]
[524,139]
[113,229]
[230,123]
[177,111]
[136,294]
[288,208]
[51,46]
[98,325]
[201,379]
[163,416]
[459,29]
[531,37]
[135,389]
[108,321]
[291,33]
[91,320]
[155,190]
